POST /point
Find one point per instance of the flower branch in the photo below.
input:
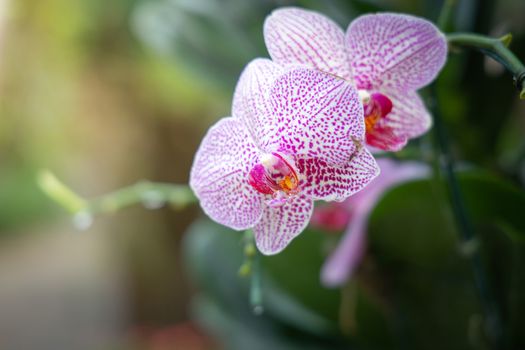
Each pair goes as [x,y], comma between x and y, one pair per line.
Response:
[251,267]
[150,194]
[496,48]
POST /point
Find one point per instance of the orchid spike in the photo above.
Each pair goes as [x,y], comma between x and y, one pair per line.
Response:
[343,261]
[387,56]
[295,136]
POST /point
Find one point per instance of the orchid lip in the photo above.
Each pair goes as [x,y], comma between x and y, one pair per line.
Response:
[376,107]
[275,175]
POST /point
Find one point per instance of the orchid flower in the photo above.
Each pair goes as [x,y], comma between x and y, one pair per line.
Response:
[342,263]
[295,136]
[387,56]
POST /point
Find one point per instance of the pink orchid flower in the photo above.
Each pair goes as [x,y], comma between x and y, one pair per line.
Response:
[296,136]
[387,56]
[342,263]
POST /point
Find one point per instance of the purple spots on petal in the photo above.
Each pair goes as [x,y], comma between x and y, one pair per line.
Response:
[279,225]
[397,51]
[219,175]
[297,36]
[327,182]
[320,116]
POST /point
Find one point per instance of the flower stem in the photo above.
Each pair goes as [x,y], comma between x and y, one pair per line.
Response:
[465,227]
[255,286]
[59,192]
[152,195]
[446,13]
[252,267]
[496,48]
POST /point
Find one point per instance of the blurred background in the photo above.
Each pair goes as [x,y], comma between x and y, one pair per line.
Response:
[107,93]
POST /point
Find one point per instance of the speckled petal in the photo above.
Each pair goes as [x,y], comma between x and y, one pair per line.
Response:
[409,116]
[331,183]
[279,225]
[294,35]
[318,116]
[400,51]
[219,175]
[251,100]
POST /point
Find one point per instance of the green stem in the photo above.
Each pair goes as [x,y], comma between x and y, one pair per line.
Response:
[252,267]
[150,194]
[496,48]
[255,286]
[464,224]
[59,192]
[446,14]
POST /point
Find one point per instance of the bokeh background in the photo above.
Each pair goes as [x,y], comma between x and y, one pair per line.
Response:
[107,93]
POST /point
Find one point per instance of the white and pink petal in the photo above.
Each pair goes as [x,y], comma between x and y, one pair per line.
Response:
[297,36]
[219,175]
[409,116]
[383,138]
[331,183]
[280,225]
[251,101]
[318,115]
[399,51]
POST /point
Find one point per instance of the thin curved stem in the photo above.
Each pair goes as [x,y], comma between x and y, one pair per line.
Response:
[496,48]
[150,194]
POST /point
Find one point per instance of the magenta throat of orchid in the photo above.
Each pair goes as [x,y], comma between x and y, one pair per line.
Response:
[275,175]
[376,107]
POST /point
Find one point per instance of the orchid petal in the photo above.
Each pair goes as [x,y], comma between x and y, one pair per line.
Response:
[331,183]
[408,119]
[251,98]
[317,115]
[409,116]
[279,225]
[399,51]
[384,138]
[342,263]
[332,216]
[219,175]
[297,36]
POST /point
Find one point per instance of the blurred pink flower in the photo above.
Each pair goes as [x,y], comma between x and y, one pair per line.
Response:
[388,57]
[341,264]
[332,217]
[296,136]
